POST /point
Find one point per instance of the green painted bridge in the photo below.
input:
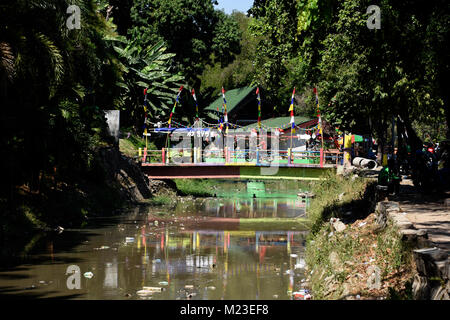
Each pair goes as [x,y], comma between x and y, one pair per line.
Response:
[221,171]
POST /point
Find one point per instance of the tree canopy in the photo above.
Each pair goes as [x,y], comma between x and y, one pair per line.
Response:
[364,76]
[191,29]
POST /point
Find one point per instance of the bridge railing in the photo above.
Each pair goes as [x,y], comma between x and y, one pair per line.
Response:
[334,157]
[151,156]
[241,157]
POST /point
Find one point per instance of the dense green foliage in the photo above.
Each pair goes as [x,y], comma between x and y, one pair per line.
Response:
[149,68]
[364,76]
[192,29]
[237,74]
[55,83]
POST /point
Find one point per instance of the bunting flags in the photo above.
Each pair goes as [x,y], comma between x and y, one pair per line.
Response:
[225,115]
[291,109]
[145,111]
[259,107]
[318,112]
[175,105]
[196,104]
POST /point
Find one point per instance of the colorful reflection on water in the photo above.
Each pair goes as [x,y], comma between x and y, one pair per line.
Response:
[175,252]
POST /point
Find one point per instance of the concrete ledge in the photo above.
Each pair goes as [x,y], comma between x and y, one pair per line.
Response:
[432,279]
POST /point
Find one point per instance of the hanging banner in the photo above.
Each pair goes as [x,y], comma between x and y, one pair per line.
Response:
[225,115]
[196,105]
[259,108]
[291,109]
[175,105]
[318,113]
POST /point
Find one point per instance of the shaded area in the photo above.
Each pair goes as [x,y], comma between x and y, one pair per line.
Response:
[426,211]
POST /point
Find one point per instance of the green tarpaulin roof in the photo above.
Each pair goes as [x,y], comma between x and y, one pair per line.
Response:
[280,122]
[233,97]
[357,138]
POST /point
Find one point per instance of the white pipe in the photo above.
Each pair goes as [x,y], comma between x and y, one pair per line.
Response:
[365,163]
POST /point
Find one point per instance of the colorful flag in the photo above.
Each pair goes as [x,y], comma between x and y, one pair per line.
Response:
[259,108]
[175,105]
[196,105]
[318,112]
[225,115]
[145,111]
[291,109]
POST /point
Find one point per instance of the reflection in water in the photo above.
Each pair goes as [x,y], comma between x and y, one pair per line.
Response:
[176,254]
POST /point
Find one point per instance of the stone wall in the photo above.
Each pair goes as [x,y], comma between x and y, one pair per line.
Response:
[432,278]
[127,174]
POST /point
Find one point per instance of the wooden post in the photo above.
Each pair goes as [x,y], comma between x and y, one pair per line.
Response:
[163,153]
[145,155]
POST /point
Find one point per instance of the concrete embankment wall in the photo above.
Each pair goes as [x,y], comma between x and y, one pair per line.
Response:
[432,265]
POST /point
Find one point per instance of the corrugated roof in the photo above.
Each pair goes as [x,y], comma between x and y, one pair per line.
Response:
[280,122]
[233,97]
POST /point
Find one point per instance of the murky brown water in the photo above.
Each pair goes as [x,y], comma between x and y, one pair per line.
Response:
[186,251]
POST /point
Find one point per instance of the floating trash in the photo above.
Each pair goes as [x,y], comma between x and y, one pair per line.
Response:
[129,239]
[156,261]
[303,294]
[211,288]
[153,289]
[88,275]
[102,248]
[189,286]
[144,293]
[293,255]
[300,265]
[163,283]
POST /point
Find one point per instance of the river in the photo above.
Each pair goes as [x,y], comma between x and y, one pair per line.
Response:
[193,250]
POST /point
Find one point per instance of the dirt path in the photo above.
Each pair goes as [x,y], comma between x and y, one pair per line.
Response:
[428,212]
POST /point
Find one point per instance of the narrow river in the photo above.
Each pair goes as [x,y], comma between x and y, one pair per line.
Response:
[194,250]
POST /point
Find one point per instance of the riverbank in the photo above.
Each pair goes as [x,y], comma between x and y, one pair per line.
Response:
[114,183]
[348,255]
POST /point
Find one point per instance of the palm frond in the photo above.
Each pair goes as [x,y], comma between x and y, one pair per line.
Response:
[7,60]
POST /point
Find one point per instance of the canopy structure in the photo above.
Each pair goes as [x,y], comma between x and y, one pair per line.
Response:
[238,100]
[283,123]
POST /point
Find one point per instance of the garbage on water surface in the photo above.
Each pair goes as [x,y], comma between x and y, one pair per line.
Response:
[144,293]
[129,240]
[189,286]
[163,283]
[153,289]
[88,274]
[102,248]
[303,294]
[293,255]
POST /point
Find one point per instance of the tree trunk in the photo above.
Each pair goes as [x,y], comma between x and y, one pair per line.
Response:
[381,141]
[447,115]
[413,140]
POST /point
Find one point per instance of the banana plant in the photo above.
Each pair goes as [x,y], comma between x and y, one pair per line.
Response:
[151,69]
